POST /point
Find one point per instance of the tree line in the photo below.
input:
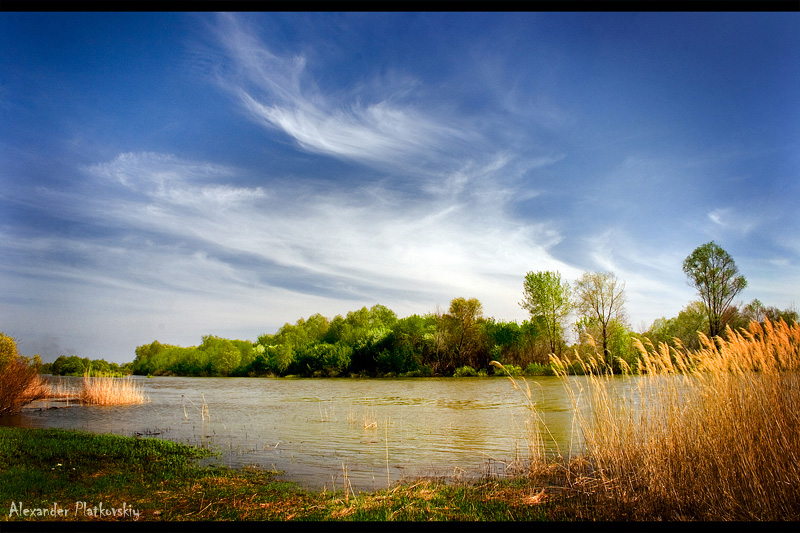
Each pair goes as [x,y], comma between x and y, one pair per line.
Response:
[72,365]
[366,342]
[462,341]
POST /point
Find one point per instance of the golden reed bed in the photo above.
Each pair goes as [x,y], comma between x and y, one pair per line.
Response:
[712,434]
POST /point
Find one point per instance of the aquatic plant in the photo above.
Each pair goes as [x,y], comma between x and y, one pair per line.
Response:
[711,434]
[111,391]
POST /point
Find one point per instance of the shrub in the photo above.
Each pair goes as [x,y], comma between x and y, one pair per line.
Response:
[20,383]
[425,371]
[8,349]
[536,369]
[464,372]
[512,370]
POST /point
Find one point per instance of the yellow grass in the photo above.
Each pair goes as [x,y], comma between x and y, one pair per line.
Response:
[709,435]
[111,391]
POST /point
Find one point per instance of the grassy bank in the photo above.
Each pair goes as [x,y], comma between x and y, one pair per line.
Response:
[161,481]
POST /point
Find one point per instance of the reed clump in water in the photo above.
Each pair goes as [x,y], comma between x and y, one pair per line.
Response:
[712,434]
[111,391]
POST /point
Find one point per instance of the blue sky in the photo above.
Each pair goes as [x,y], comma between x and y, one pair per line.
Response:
[170,175]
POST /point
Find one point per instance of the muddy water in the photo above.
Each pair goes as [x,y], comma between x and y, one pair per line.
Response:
[320,432]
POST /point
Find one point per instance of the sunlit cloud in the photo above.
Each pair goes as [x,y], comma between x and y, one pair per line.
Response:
[443,245]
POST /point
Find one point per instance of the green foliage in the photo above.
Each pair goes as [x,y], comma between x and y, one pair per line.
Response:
[78,366]
[461,338]
[8,349]
[601,300]
[281,357]
[214,357]
[223,357]
[19,380]
[513,370]
[684,327]
[374,342]
[547,297]
[619,341]
[514,343]
[713,272]
[465,372]
[367,341]
[537,369]
[323,359]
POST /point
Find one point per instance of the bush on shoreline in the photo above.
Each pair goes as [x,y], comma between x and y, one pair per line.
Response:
[20,383]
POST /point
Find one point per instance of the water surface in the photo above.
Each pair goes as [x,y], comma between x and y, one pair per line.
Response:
[320,432]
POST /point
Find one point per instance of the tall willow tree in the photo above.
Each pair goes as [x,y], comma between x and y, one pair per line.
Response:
[547,298]
[715,275]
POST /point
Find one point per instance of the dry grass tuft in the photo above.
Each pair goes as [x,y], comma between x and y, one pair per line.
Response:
[111,391]
[707,435]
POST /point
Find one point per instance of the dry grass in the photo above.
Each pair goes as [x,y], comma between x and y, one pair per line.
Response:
[707,435]
[368,420]
[111,391]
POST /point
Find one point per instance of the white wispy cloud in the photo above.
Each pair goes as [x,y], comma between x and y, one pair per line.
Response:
[279,93]
[441,245]
[655,284]
[734,220]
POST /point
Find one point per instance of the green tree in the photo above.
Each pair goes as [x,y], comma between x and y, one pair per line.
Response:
[222,354]
[260,365]
[19,381]
[684,327]
[601,296]
[280,357]
[466,337]
[408,347]
[546,295]
[789,315]
[144,363]
[713,272]
[8,349]
[70,366]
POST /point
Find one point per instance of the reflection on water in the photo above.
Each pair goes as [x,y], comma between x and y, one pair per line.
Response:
[314,429]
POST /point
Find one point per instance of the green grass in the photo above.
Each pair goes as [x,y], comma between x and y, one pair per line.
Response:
[164,481]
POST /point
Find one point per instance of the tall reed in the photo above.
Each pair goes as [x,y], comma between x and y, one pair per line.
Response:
[535,426]
[111,391]
[712,434]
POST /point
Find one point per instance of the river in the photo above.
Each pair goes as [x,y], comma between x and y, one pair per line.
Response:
[322,433]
